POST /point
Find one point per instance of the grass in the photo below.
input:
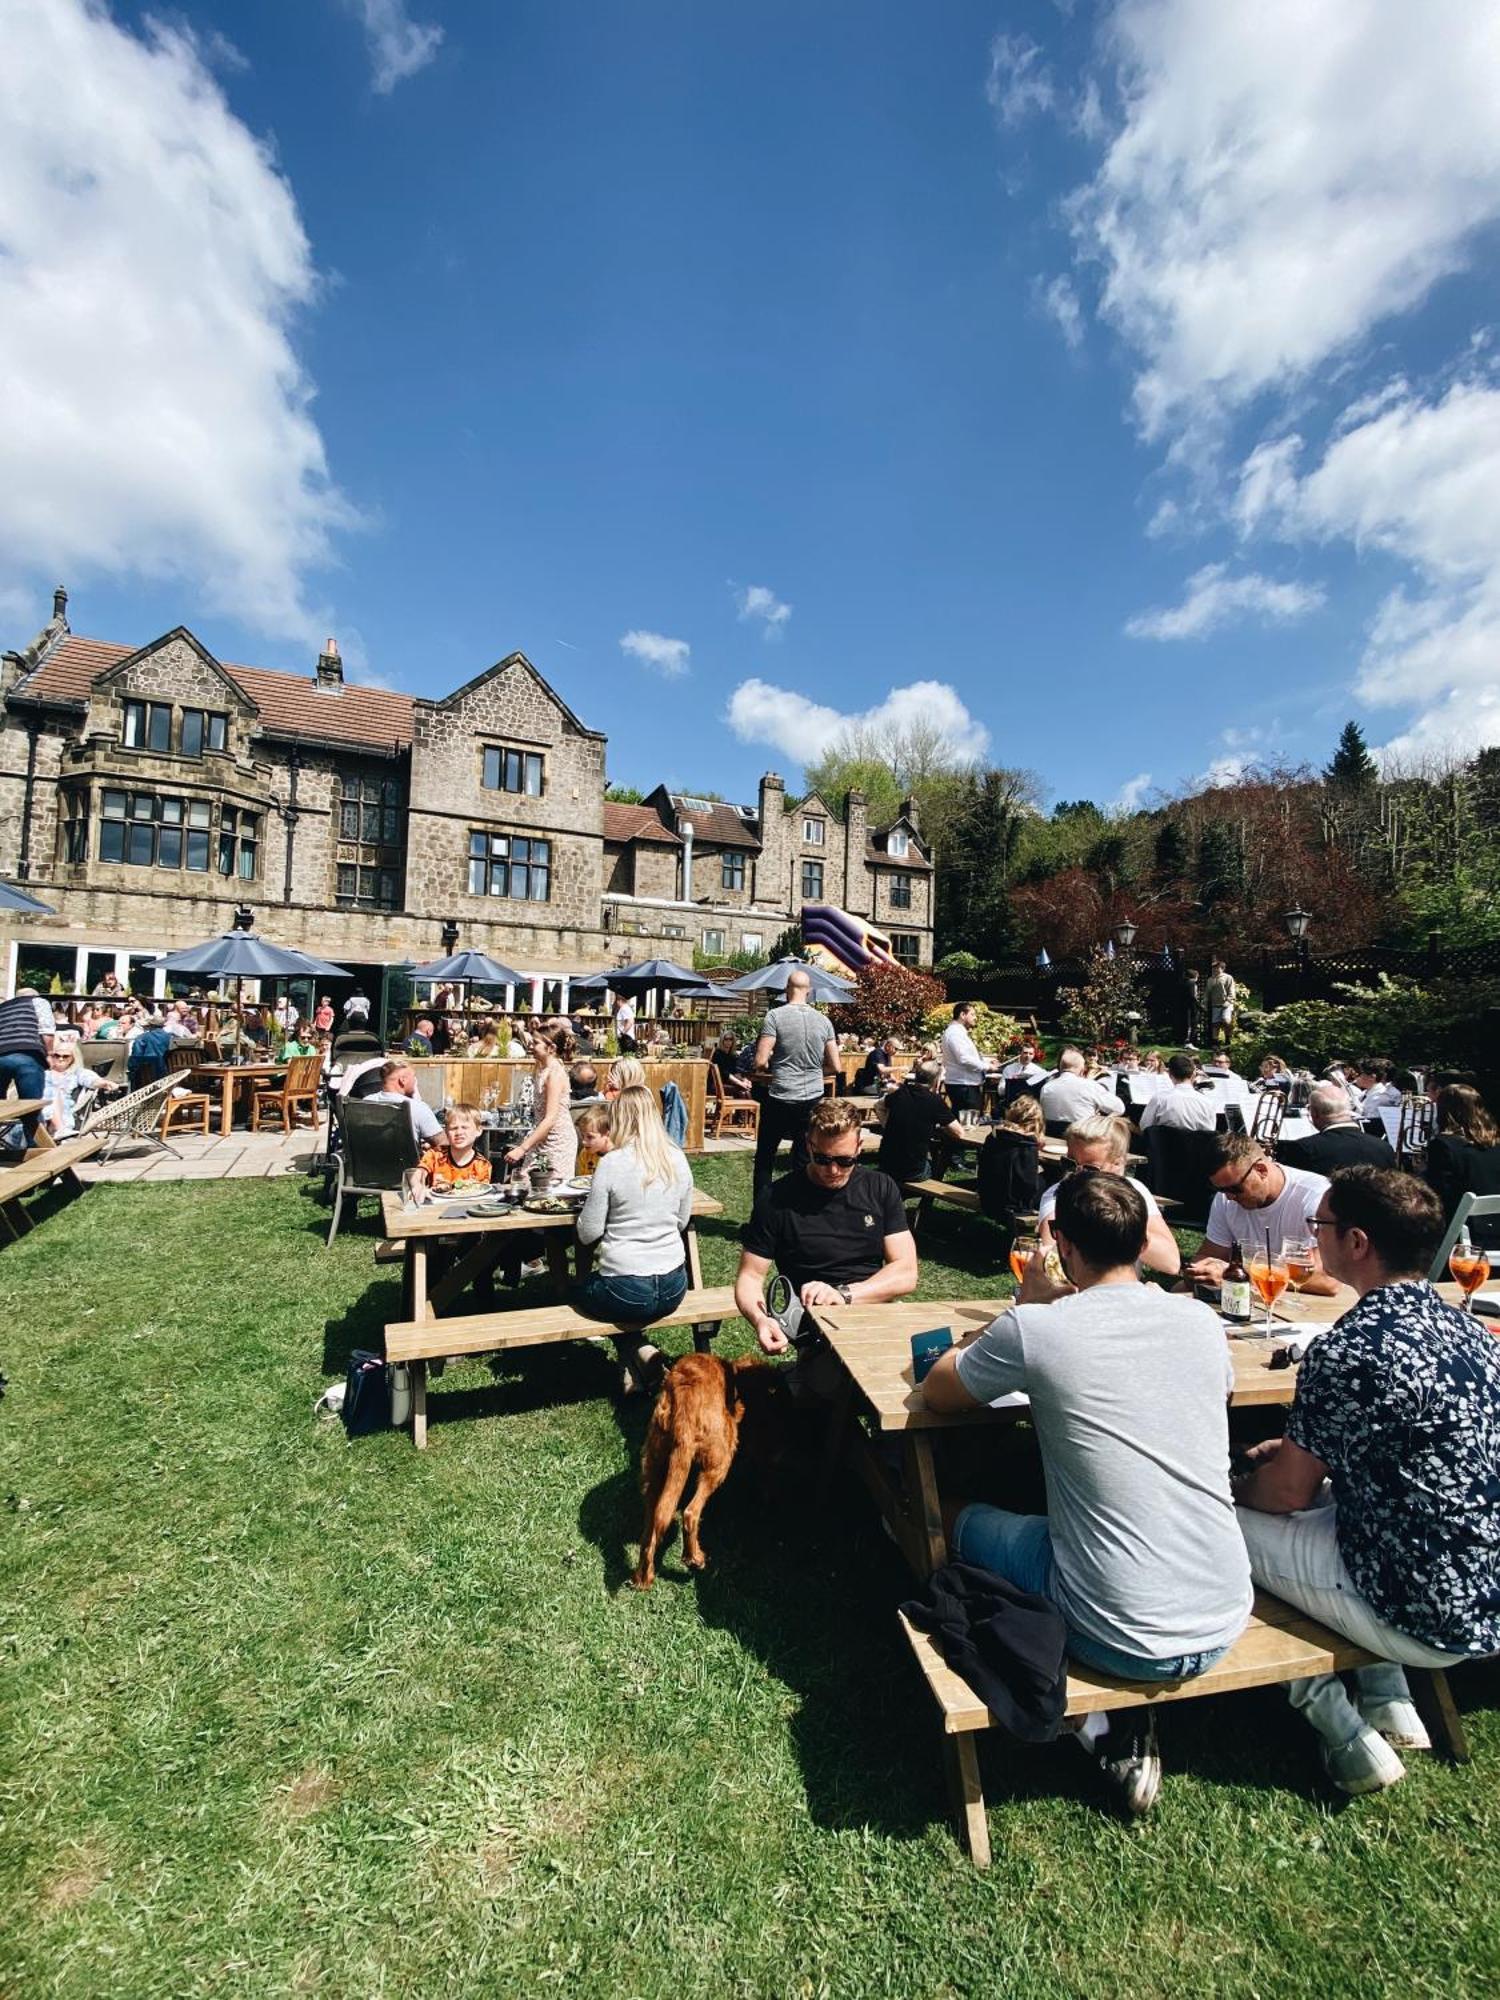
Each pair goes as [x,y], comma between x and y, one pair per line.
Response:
[283,1714]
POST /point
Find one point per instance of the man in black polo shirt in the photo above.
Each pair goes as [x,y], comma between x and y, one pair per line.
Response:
[836,1231]
[914,1116]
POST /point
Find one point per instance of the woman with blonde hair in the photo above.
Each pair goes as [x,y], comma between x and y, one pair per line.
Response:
[1010,1163]
[625,1073]
[552,1136]
[638,1205]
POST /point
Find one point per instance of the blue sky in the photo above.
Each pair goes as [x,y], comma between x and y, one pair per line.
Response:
[1110,385]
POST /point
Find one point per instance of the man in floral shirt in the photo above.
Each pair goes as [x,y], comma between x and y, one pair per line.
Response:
[1379,1512]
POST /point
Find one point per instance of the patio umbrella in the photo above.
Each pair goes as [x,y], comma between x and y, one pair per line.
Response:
[661,972]
[826,986]
[239,956]
[12,898]
[469,968]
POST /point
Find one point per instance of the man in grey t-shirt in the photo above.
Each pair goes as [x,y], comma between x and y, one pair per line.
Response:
[1139,1548]
[797,1044]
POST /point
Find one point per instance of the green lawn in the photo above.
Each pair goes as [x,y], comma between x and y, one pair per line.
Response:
[282,1714]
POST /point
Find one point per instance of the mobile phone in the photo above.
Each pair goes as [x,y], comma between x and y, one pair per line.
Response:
[925,1349]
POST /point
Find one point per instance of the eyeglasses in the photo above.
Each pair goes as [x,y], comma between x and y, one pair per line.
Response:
[835,1162]
[1234,1192]
[1324,1222]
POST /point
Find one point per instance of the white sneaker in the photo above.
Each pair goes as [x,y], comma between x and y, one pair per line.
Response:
[1398,1722]
[1368,1764]
[1130,1761]
[536,1268]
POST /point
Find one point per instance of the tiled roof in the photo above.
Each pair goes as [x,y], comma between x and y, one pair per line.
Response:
[714,823]
[627,823]
[289,704]
[911,859]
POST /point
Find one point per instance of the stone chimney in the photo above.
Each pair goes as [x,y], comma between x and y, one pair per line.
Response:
[859,881]
[60,605]
[773,866]
[330,665]
[908,812]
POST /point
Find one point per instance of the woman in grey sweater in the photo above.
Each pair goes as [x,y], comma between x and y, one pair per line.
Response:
[636,1211]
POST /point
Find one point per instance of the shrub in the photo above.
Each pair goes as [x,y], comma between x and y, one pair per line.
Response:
[994,1033]
[1400,1018]
[888,1000]
[1108,1006]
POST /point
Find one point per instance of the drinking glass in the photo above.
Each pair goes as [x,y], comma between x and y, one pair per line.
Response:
[1470,1268]
[1301,1260]
[413,1187]
[1022,1250]
[1269,1275]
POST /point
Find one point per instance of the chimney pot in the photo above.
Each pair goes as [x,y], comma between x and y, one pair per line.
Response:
[60,603]
[330,665]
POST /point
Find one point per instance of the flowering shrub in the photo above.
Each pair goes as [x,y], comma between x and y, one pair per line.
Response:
[995,1034]
[888,1000]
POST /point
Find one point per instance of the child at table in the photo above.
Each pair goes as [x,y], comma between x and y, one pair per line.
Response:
[454,1160]
[595,1128]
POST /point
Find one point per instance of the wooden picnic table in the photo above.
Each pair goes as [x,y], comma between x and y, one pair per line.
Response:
[229,1076]
[873,1346]
[416,1229]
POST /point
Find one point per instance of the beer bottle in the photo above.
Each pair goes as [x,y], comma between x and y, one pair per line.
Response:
[1234,1300]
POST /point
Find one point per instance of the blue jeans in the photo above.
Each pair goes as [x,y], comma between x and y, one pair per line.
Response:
[631,1301]
[29,1074]
[1019,1548]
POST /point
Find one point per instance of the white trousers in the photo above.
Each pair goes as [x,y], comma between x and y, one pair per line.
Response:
[1296,1557]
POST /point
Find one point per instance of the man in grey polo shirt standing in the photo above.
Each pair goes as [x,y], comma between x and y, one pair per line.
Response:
[797,1044]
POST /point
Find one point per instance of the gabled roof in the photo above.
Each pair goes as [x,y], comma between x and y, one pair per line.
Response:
[913,857]
[627,823]
[232,687]
[289,704]
[716,823]
[500,667]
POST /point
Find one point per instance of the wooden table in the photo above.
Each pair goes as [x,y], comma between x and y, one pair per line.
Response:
[873,1345]
[418,1228]
[1301,1309]
[227,1076]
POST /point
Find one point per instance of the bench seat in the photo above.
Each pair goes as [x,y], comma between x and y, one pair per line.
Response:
[416,1342]
[966,1198]
[1278,1644]
[41,1165]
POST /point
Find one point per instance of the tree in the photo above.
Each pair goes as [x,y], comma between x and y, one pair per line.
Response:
[1221,864]
[1170,857]
[974,852]
[888,1000]
[1108,1006]
[1353,768]
[624,795]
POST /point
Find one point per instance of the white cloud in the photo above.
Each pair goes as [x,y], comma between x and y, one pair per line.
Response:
[803,730]
[668,657]
[1214,598]
[1059,300]
[755,601]
[1019,83]
[157,421]
[1132,794]
[399,46]
[1281,182]
[1417,480]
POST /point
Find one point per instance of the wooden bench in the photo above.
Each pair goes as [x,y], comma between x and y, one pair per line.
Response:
[416,1342]
[928,1192]
[1279,1644]
[42,1165]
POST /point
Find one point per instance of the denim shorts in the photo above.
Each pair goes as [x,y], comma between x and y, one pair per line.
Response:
[631,1301]
[1019,1548]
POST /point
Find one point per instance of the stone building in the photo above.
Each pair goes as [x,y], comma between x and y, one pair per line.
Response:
[148,791]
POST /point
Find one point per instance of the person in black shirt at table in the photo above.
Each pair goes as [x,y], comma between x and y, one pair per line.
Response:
[914,1116]
[1337,1140]
[835,1230]
[876,1070]
[1463,1157]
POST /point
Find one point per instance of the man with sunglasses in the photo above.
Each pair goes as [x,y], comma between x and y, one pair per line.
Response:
[835,1230]
[1256,1198]
[1379,1511]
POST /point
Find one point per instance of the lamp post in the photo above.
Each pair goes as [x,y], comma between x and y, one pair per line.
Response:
[1125,931]
[450,938]
[1297,920]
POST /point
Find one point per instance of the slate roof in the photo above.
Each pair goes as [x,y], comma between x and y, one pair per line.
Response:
[715,824]
[627,823]
[289,704]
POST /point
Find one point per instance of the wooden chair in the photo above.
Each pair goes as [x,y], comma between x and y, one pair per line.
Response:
[192,1112]
[298,1087]
[736,1114]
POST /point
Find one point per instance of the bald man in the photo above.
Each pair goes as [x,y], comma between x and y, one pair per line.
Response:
[1338,1140]
[797,1044]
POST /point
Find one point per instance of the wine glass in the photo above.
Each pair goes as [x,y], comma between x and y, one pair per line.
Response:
[1269,1275]
[1469,1267]
[1022,1250]
[1301,1260]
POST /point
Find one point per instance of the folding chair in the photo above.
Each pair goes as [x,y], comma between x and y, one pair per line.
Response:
[1471,1208]
[379,1145]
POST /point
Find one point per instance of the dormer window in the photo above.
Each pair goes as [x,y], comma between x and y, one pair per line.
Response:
[812,832]
[898,843]
[148,726]
[203,729]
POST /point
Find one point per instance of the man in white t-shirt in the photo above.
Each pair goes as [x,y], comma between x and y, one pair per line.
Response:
[1103,1144]
[1257,1200]
[1182,1107]
[1073,1094]
[625,1026]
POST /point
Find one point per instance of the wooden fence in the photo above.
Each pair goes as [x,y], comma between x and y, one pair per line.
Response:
[465,1079]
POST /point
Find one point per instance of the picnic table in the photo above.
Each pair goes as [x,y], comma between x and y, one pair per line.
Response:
[416,1229]
[873,1347]
[230,1078]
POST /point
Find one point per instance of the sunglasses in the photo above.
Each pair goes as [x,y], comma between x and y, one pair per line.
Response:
[1233,1192]
[840,1162]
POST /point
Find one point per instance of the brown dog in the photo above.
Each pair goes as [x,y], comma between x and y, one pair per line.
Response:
[704,1401]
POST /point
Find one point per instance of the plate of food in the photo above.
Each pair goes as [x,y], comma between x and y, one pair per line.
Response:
[551,1204]
[575,1187]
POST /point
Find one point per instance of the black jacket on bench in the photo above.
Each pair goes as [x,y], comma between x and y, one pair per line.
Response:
[1010,1645]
